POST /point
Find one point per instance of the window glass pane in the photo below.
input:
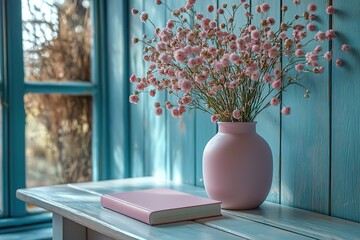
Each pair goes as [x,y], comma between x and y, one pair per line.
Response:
[56,40]
[58,139]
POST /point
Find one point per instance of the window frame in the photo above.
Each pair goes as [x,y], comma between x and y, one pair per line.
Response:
[14,87]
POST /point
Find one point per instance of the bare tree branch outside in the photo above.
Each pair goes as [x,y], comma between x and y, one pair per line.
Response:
[57,43]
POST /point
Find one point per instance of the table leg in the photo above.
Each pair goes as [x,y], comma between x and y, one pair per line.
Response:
[65,229]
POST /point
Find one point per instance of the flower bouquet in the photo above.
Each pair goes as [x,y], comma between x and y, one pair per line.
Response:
[232,70]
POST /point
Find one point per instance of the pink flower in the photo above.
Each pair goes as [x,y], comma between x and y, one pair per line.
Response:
[345,47]
[170,24]
[134,11]
[265,7]
[267,78]
[339,62]
[276,84]
[328,55]
[144,16]
[312,7]
[236,114]
[255,48]
[158,2]
[286,110]
[299,52]
[196,50]
[152,92]
[133,78]
[175,112]
[311,27]
[214,117]
[258,9]
[330,10]
[266,45]
[186,85]
[299,67]
[274,101]
[271,21]
[182,109]
[254,76]
[133,99]
[210,8]
[312,17]
[318,49]
[191,2]
[270,34]
[188,6]
[320,36]
[283,35]
[273,52]
[220,11]
[297,2]
[330,34]
[180,55]
[255,34]
[158,111]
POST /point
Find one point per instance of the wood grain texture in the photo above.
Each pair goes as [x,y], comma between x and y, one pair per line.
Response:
[345,145]
[204,128]
[80,203]
[154,126]
[304,222]
[305,133]
[84,207]
[268,122]
[136,66]
[180,140]
[249,229]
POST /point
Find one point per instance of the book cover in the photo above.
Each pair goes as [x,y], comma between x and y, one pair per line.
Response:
[161,205]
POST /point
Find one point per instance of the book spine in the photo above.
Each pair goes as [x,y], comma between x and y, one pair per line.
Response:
[125,208]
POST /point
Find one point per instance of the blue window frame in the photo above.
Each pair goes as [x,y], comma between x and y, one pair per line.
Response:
[12,91]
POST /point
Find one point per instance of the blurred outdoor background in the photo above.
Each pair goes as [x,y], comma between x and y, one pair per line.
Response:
[57,43]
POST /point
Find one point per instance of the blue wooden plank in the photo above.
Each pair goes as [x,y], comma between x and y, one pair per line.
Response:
[345,117]
[136,29]
[305,133]
[268,122]
[100,139]
[155,126]
[204,128]
[117,77]
[180,138]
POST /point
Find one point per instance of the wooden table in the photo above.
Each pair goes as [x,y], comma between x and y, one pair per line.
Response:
[78,215]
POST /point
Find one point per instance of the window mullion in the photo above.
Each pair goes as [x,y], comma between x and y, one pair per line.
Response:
[100,103]
[14,82]
[67,88]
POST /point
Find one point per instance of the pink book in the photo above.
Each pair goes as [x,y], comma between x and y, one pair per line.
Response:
[161,205]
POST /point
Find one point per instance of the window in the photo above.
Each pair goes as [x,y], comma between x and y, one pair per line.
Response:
[56,48]
[52,97]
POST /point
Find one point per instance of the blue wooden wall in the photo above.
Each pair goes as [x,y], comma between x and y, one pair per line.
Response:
[315,149]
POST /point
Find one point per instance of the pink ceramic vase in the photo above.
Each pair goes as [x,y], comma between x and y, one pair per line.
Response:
[237,166]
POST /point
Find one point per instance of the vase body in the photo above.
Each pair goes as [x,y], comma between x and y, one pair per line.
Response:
[237,166]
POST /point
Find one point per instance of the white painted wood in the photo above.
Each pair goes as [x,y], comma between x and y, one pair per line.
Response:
[65,229]
[81,204]
[301,221]
[249,229]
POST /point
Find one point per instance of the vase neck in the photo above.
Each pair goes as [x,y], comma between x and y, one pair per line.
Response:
[237,127]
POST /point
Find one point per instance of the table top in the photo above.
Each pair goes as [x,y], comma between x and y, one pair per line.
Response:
[80,203]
